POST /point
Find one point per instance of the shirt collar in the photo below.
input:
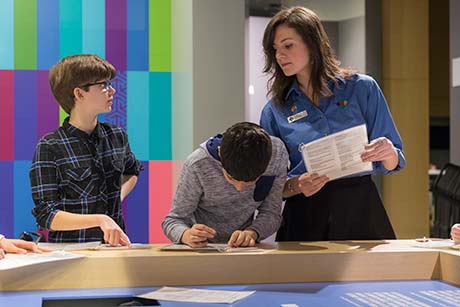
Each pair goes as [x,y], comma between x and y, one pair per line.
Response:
[97,133]
[295,88]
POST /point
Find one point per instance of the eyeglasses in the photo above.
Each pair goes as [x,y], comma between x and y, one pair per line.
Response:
[106,84]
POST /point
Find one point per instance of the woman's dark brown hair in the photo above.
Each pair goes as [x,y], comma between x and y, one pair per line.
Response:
[324,64]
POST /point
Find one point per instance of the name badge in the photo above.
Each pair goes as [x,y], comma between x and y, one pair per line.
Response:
[297,116]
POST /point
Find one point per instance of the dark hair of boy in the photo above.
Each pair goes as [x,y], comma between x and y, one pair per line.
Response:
[77,71]
[245,151]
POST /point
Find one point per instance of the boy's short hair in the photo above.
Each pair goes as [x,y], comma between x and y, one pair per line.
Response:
[245,151]
[76,71]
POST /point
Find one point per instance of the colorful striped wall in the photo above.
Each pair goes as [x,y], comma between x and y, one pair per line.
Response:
[134,35]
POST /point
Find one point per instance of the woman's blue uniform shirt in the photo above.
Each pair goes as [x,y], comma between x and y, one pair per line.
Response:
[355,101]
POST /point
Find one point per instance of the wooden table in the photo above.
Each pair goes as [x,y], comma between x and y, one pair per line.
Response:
[278,263]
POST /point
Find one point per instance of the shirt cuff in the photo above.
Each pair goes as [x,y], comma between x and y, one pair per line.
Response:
[257,232]
[177,233]
[49,219]
[400,166]
[134,170]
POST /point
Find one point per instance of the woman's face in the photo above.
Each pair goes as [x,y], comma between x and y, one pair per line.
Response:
[291,53]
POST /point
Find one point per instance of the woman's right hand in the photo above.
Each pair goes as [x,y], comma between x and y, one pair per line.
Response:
[309,184]
[455,233]
[112,232]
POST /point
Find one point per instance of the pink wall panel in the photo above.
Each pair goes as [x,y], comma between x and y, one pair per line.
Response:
[7,114]
[160,197]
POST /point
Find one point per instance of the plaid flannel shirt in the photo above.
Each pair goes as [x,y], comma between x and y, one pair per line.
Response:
[80,173]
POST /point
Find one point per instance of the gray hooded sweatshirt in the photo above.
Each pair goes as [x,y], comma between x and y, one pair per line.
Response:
[203,196]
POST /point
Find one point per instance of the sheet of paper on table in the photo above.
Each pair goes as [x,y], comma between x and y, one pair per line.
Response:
[196,295]
[337,155]
[13,261]
[214,247]
[434,243]
[91,246]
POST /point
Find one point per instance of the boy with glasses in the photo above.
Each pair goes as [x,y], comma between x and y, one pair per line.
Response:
[221,186]
[82,171]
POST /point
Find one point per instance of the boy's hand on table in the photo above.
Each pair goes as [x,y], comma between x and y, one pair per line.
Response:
[113,234]
[198,235]
[243,238]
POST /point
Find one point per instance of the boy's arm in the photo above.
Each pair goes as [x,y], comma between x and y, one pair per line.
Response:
[44,184]
[268,218]
[132,166]
[113,234]
[185,202]
[127,185]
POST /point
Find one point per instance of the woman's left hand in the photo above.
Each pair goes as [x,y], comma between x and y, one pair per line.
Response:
[381,149]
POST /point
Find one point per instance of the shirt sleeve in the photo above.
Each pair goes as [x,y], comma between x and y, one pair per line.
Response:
[268,218]
[44,184]
[267,121]
[186,199]
[380,123]
[132,165]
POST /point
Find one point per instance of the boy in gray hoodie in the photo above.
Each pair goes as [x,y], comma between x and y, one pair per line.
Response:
[221,186]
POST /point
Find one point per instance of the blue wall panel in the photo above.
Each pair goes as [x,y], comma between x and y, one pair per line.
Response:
[7,203]
[25,114]
[138,207]
[160,116]
[93,27]
[23,204]
[138,113]
[138,35]
[7,35]
[47,33]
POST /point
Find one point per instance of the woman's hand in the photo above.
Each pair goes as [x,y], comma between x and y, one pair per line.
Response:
[309,184]
[455,233]
[381,149]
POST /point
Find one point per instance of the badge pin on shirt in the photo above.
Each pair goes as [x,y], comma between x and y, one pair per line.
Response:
[297,116]
[342,104]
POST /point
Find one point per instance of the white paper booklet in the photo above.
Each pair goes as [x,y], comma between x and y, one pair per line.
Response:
[337,155]
[196,295]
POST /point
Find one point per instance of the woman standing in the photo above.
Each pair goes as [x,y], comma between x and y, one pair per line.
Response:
[312,96]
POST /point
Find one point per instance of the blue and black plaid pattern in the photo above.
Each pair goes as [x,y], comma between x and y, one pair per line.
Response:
[80,173]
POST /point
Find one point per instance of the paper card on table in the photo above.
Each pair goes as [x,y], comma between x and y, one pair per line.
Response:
[196,295]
